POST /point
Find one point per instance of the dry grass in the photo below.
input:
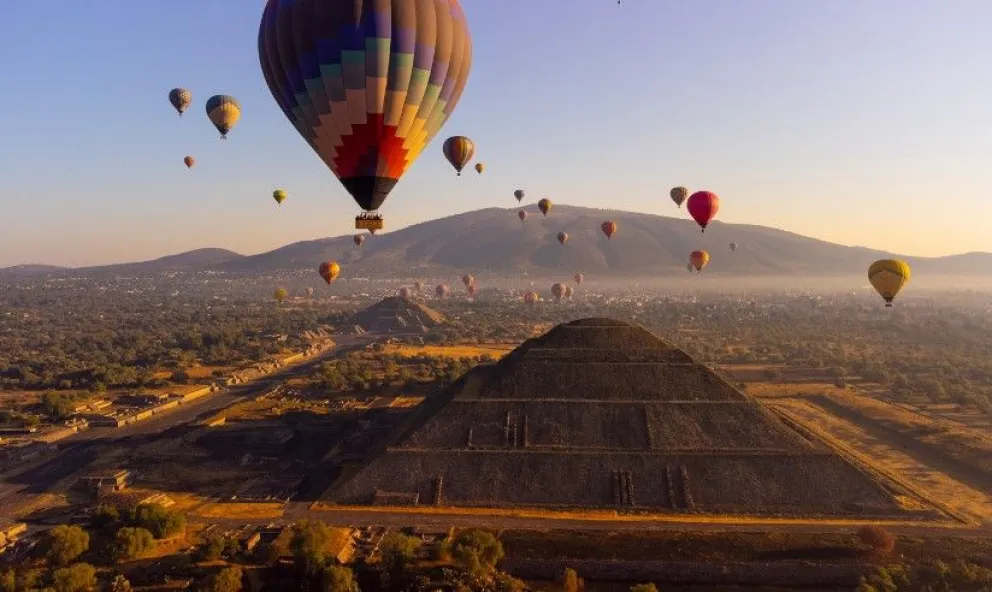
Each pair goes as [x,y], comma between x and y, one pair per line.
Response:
[206,371]
[773,390]
[878,453]
[449,351]
[405,402]
[184,502]
[245,511]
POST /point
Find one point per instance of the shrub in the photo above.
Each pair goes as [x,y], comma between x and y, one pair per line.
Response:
[65,543]
[877,538]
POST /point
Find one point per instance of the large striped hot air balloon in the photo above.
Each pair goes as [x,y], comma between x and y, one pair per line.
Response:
[224,112]
[459,150]
[368,84]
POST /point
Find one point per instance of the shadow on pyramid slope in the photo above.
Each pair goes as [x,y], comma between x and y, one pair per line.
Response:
[396,314]
[599,413]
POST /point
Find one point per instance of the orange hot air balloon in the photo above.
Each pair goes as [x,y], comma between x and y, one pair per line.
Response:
[479,167]
[468,280]
[578,278]
[329,270]
[471,290]
[703,206]
[558,291]
[569,291]
[562,237]
[699,259]
[609,228]
[545,206]
[190,161]
[405,293]
[359,239]
[441,291]
[522,214]
[458,150]
[530,297]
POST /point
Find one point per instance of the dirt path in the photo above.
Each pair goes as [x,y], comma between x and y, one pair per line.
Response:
[882,454]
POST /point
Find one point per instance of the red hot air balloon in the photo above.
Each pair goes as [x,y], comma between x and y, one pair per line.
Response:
[441,291]
[530,297]
[468,280]
[558,291]
[562,237]
[522,214]
[367,84]
[609,228]
[359,239]
[703,206]
[578,278]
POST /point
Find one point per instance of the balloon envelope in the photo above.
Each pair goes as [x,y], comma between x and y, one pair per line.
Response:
[190,161]
[519,194]
[544,205]
[699,259]
[609,228]
[562,237]
[522,214]
[224,112]
[679,195]
[703,206]
[459,150]
[578,278]
[558,290]
[888,276]
[181,99]
[329,270]
[279,195]
[479,167]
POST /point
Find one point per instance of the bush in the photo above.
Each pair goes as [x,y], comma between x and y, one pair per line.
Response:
[570,581]
[77,578]
[226,580]
[643,588]
[337,578]
[65,543]
[877,538]
[477,551]
[397,551]
[159,521]
[309,544]
[130,542]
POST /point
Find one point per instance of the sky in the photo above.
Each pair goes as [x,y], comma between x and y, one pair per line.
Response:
[862,122]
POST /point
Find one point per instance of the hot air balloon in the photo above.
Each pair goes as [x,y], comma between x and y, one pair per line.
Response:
[558,290]
[479,167]
[609,228]
[441,291]
[359,239]
[180,99]
[519,194]
[545,206]
[530,297]
[579,277]
[279,195]
[522,214]
[888,276]
[418,285]
[189,161]
[329,270]
[367,84]
[471,290]
[699,259]
[405,293]
[733,246]
[468,280]
[562,237]
[310,292]
[280,294]
[224,112]
[679,195]
[703,206]
[569,291]
[459,150]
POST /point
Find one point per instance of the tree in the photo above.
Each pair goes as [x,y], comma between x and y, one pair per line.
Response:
[643,588]
[877,538]
[130,542]
[104,516]
[120,584]
[309,544]
[570,581]
[212,549]
[226,580]
[337,578]
[397,551]
[76,578]
[56,405]
[476,550]
[159,520]
[65,543]
[507,583]
[8,581]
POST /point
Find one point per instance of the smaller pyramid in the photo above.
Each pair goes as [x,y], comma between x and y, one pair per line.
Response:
[397,315]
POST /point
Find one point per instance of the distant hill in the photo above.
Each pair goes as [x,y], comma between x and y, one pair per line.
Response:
[494,241]
[28,270]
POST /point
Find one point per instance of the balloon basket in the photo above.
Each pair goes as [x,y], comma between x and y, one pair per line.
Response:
[369,224]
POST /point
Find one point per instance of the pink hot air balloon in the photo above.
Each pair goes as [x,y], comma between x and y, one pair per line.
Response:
[441,291]
[703,206]
[522,214]
[468,280]
[609,228]
[405,293]
[579,277]
[562,237]
[558,291]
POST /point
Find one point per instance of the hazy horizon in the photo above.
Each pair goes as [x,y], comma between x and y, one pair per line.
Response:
[829,120]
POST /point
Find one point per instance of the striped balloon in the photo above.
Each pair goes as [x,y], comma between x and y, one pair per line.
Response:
[458,150]
[224,112]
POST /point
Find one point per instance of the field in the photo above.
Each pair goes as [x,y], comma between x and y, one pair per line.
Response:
[449,351]
[240,511]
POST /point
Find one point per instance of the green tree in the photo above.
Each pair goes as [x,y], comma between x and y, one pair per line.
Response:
[309,544]
[211,550]
[337,578]
[226,580]
[8,580]
[396,552]
[56,406]
[105,516]
[75,578]
[503,582]
[643,588]
[65,543]
[159,520]
[120,584]
[130,542]
[476,550]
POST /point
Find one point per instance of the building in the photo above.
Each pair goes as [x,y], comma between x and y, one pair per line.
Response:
[105,482]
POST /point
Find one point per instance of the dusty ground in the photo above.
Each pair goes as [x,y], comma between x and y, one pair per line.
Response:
[449,351]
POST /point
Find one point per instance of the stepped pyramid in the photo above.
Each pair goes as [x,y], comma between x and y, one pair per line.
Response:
[397,315]
[599,413]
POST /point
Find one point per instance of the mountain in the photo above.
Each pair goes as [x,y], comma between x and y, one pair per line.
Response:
[28,270]
[195,260]
[494,240]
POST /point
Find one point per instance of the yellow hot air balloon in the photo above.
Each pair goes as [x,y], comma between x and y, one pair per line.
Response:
[280,294]
[545,206]
[223,111]
[329,270]
[279,195]
[888,276]
[479,167]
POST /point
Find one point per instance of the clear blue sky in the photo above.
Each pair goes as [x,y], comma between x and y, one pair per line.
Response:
[863,122]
